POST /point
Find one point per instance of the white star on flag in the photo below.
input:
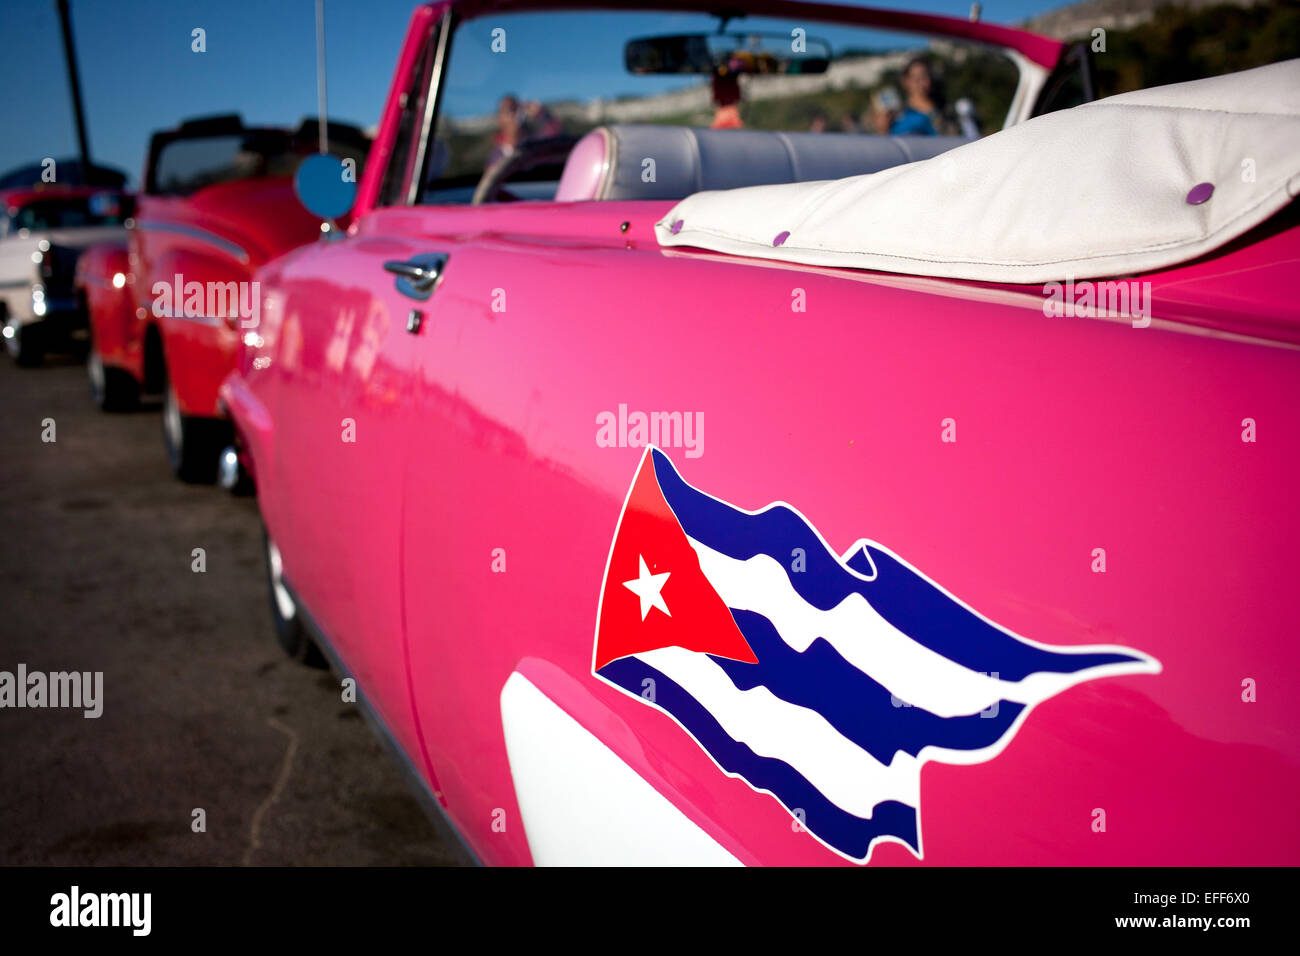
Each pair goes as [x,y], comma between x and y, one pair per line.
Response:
[649,588]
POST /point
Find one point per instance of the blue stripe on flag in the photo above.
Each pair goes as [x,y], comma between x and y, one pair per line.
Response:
[850,834]
[901,596]
[854,704]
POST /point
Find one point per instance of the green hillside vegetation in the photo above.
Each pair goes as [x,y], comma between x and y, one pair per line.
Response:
[1180,44]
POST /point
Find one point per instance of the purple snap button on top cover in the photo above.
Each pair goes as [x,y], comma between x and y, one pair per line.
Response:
[781,238]
[1199,193]
[677,227]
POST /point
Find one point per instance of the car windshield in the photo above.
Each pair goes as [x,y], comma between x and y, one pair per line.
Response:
[67,213]
[188,164]
[546,75]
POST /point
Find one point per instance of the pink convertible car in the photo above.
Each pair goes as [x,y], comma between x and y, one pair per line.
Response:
[818,436]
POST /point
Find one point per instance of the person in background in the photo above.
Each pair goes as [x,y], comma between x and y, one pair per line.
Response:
[818,124]
[726,99]
[507,135]
[539,122]
[967,121]
[518,122]
[885,107]
[922,108]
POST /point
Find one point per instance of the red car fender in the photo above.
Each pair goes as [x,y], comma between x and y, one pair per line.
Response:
[197,313]
[103,283]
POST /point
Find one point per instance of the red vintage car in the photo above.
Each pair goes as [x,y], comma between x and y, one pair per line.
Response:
[168,308]
[684,483]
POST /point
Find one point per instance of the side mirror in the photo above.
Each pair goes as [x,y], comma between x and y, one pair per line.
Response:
[326,185]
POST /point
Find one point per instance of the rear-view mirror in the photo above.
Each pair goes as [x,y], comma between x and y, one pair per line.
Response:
[705,53]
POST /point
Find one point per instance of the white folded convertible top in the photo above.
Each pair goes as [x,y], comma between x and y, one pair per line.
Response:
[1124,185]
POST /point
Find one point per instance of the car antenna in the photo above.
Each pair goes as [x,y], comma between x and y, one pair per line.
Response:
[320,75]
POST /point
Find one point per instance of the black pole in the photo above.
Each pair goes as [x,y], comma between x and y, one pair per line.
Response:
[70,54]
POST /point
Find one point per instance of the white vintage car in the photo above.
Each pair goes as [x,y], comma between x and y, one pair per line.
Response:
[42,232]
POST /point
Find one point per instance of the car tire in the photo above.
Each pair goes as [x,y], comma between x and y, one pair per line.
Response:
[193,444]
[290,633]
[113,389]
[25,344]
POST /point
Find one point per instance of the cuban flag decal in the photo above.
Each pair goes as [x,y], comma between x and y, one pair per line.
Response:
[826,681]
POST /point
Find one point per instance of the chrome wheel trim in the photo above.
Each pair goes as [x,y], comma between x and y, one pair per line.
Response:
[283,600]
[228,471]
[95,369]
[172,421]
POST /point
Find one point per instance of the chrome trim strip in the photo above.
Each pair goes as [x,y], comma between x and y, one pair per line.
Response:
[211,320]
[419,169]
[194,232]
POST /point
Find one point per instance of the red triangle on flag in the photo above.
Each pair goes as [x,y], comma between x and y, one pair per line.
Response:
[696,619]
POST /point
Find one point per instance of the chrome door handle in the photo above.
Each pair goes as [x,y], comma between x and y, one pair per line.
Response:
[418,276]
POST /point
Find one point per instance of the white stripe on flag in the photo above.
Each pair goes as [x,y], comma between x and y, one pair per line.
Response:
[847,775]
[907,669]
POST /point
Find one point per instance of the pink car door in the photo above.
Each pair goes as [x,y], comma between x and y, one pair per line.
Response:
[511,504]
[345,370]
[347,365]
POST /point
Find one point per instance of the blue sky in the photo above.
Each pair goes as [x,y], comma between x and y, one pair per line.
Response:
[139,74]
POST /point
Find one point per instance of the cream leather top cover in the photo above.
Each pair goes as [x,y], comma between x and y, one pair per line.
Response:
[1124,185]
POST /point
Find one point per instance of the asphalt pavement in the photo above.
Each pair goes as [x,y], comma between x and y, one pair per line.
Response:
[200,710]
